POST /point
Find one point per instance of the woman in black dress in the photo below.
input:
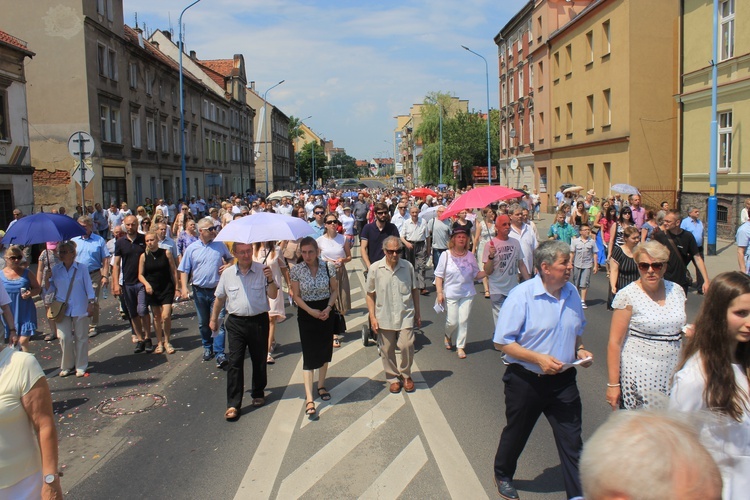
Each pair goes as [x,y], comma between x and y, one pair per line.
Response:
[623,269]
[314,288]
[157,272]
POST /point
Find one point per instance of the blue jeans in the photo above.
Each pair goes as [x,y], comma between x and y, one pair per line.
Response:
[436,253]
[204,302]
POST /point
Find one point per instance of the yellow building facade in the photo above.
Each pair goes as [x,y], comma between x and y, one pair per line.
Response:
[733,107]
[609,115]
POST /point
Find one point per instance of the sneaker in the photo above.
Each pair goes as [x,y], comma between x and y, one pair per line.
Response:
[93,332]
[139,347]
[583,304]
[207,354]
[221,361]
[148,345]
[65,373]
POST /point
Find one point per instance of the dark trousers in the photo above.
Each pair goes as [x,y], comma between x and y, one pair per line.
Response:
[527,396]
[246,333]
[698,275]
[417,256]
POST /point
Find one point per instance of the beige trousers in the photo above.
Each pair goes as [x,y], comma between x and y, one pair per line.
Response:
[388,339]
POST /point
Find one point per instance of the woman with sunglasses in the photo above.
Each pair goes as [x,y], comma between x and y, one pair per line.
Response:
[21,286]
[336,249]
[145,225]
[623,269]
[645,334]
[180,221]
[712,379]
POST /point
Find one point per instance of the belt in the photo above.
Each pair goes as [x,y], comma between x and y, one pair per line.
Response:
[254,316]
[204,287]
[524,371]
[415,242]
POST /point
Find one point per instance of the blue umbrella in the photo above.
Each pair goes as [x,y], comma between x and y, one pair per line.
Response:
[350,194]
[41,228]
[317,192]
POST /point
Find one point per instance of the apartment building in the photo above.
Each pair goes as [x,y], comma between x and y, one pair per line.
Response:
[733,106]
[16,181]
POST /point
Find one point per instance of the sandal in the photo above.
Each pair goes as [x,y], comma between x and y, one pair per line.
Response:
[231,414]
[448,343]
[159,349]
[336,343]
[324,394]
[461,354]
[50,337]
[269,359]
[168,347]
[310,409]
[486,295]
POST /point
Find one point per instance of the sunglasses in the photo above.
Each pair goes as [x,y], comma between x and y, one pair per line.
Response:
[332,222]
[383,212]
[656,266]
[318,213]
[391,252]
[212,229]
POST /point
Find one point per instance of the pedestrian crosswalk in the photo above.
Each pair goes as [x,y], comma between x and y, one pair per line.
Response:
[364,434]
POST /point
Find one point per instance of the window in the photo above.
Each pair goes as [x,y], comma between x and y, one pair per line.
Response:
[107,61]
[539,28]
[590,48]
[521,88]
[207,148]
[175,139]
[105,8]
[173,95]
[722,214]
[519,40]
[725,141]
[591,174]
[726,29]
[568,59]
[205,108]
[541,128]
[504,93]
[194,142]
[149,83]
[520,130]
[590,112]
[135,130]
[112,65]
[606,110]
[138,188]
[531,77]
[606,40]
[511,90]
[541,75]
[556,130]
[186,143]
[161,91]
[150,134]
[556,67]
[101,56]
[164,138]
[531,129]
[110,124]
[213,149]
[503,135]
[569,119]
[4,128]
[133,75]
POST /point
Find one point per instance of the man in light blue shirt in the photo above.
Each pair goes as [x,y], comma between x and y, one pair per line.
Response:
[206,259]
[317,223]
[165,241]
[538,329]
[694,225]
[92,252]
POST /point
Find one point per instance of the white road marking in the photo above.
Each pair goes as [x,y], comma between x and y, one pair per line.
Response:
[397,476]
[455,469]
[96,349]
[347,387]
[317,466]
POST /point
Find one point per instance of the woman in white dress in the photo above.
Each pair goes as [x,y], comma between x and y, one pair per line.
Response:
[484,232]
[455,273]
[712,380]
[270,254]
[335,248]
[645,334]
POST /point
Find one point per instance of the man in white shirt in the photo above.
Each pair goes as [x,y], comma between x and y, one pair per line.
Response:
[400,215]
[285,208]
[415,237]
[502,259]
[161,205]
[523,234]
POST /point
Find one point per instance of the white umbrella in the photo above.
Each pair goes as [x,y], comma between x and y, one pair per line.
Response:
[573,189]
[428,214]
[265,226]
[625,189]
[279,195]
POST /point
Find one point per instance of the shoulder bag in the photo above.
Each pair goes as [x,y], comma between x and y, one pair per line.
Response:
[339,321]
[56,311]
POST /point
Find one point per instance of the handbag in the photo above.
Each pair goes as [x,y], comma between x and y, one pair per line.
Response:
[56,311]
[339,322]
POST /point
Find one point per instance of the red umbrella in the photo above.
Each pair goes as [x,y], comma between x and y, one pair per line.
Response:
[423,192]
[479,198]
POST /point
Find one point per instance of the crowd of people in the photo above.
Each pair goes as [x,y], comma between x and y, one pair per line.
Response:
[537,287]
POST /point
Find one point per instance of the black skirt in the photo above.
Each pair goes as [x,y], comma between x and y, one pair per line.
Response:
[316,336]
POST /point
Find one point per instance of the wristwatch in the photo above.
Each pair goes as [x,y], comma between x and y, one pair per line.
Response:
[50,478]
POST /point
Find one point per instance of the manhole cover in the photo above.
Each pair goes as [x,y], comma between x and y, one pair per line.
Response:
[130,404]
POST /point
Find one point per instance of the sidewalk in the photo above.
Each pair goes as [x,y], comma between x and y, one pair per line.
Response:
[724,260]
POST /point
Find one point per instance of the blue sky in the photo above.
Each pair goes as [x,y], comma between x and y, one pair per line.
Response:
[352,65]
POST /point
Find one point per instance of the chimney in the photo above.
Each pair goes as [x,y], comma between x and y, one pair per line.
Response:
[167,34]
[252,86]
[193,55]
[140,37]
[155,44]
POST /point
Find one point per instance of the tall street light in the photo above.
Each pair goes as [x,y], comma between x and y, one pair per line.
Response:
[265,128]
[487,74]
[182,107]
[296,139]
[394,155]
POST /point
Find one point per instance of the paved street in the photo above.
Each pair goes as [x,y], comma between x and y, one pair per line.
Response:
[152,426]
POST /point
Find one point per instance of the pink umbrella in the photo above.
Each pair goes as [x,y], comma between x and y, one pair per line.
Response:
[479,198]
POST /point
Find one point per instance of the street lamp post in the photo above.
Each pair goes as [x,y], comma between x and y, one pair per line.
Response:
[713,203]
[441,143]
[265,129]
[182,107]
[487,74]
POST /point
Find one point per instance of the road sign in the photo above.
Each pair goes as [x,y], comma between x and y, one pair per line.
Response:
[88,174]
[81,144]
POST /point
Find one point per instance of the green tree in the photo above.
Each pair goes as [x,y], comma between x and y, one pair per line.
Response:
[304,162]
[348,166]
[294,128]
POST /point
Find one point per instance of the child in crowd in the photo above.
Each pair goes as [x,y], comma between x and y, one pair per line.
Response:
[583,254]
